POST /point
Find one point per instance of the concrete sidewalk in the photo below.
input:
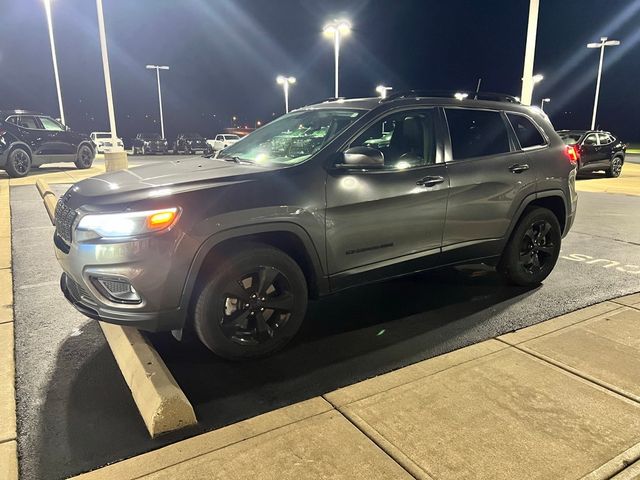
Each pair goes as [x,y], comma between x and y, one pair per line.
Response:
[558,400]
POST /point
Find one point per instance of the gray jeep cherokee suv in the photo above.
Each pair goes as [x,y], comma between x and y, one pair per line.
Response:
[326,197]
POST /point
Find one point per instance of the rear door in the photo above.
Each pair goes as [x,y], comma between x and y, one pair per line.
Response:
[387,216]
[489,176]
[30,132]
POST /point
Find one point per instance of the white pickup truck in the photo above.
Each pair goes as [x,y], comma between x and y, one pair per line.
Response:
[103,142]
[222,140]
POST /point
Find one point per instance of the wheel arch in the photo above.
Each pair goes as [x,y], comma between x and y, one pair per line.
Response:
[553,200]
[288,237]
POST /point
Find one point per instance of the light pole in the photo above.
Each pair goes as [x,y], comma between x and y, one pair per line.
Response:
[529,53]
[115,159]
[285,82]
[47,8]
[604,42]
[336,29]
[544,100]
[382,90]
[157,68]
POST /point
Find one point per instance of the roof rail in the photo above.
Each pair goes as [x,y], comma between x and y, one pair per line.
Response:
[461,94]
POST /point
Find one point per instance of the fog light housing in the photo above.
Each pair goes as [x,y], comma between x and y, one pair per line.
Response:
[117,290]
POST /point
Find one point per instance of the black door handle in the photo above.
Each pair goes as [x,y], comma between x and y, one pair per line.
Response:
[429,181]
[518,167]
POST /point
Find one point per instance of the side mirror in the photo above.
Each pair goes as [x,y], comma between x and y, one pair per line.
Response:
[361,157]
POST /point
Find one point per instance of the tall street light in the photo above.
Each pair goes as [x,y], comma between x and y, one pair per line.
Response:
[382,90]
[529,53]
[544,100]
[47,8]
[604,42]
[115,159]
[337,29]
[157,68]
[285,82]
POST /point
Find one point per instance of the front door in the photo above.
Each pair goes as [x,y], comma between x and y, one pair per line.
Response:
[387,215]
[60,142]
[591,155]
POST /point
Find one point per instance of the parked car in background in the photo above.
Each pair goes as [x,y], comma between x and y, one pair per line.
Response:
[29,140]
[190,143]
[596,150]
[304,207]
[222,141]
[103,143]
[149,143]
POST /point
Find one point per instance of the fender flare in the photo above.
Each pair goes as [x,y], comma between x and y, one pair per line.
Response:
[319,276]
[528,200]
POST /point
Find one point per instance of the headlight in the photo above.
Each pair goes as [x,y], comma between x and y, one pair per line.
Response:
[113,225]
[146,143]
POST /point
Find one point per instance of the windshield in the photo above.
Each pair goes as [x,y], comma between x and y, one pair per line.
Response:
[102,135]
[570,138]
[293,137]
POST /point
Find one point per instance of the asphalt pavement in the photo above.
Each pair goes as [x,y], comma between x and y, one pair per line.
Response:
[75,412]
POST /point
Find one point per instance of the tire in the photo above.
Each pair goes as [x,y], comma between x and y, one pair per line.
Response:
[18,163]
[529,242]
[616,167]
[228,315]
[84,158]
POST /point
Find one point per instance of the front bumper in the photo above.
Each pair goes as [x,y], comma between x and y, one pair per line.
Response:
[148,264]
[149,321]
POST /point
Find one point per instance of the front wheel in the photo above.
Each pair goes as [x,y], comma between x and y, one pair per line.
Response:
[533,249]
[253,303]
[615,169]
[85,156]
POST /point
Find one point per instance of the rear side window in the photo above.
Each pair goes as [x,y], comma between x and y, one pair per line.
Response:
[28,122]
[476,133]
[527,133]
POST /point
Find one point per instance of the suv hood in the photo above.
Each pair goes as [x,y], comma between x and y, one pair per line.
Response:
[158,179]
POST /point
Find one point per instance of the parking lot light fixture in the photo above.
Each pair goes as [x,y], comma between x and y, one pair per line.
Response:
[157,68]
[336,29]
[382,90]
[285,82]
[604,42]
[460,95]
[47,9]
[544,100]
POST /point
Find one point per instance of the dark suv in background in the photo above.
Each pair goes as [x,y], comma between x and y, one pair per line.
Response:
[190,143]
[326,197]
[29,140]
[150,143]
[595,150]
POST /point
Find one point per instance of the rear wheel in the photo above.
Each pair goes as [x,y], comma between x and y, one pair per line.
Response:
[252,304]
[533,249]
[85,157]
[616,167]
[18,163]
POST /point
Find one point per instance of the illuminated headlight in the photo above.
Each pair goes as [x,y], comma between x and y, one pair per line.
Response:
[146,143]
[127,224]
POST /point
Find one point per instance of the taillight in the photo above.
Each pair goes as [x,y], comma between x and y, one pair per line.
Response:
[572,153]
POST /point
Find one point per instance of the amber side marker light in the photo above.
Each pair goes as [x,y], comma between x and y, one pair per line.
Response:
[162,219]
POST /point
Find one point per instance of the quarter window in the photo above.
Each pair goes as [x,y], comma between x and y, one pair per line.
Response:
[527,133]
[406,139]
[476,133]
[50,124]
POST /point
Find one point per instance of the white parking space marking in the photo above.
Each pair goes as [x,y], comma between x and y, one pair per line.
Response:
[603,263]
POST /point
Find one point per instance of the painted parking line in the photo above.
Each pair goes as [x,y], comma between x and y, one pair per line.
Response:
[603,263]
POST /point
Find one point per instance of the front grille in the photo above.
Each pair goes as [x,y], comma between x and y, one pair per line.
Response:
[64,219]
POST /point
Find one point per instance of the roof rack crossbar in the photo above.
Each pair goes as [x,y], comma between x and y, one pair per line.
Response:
[491,96]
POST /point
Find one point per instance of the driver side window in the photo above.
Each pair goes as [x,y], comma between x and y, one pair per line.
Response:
[406,139]
[591,139]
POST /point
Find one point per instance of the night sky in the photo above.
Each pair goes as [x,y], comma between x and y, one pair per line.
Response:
[225,55]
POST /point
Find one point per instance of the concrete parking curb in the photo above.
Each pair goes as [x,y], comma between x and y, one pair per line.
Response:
[8,433]
[161,402]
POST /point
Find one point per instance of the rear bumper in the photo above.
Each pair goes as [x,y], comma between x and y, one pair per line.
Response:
[149,321]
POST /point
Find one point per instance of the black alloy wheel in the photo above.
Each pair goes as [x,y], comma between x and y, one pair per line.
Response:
[533,248]
[252,304]
[85,157]
[616,167]
[19,163]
